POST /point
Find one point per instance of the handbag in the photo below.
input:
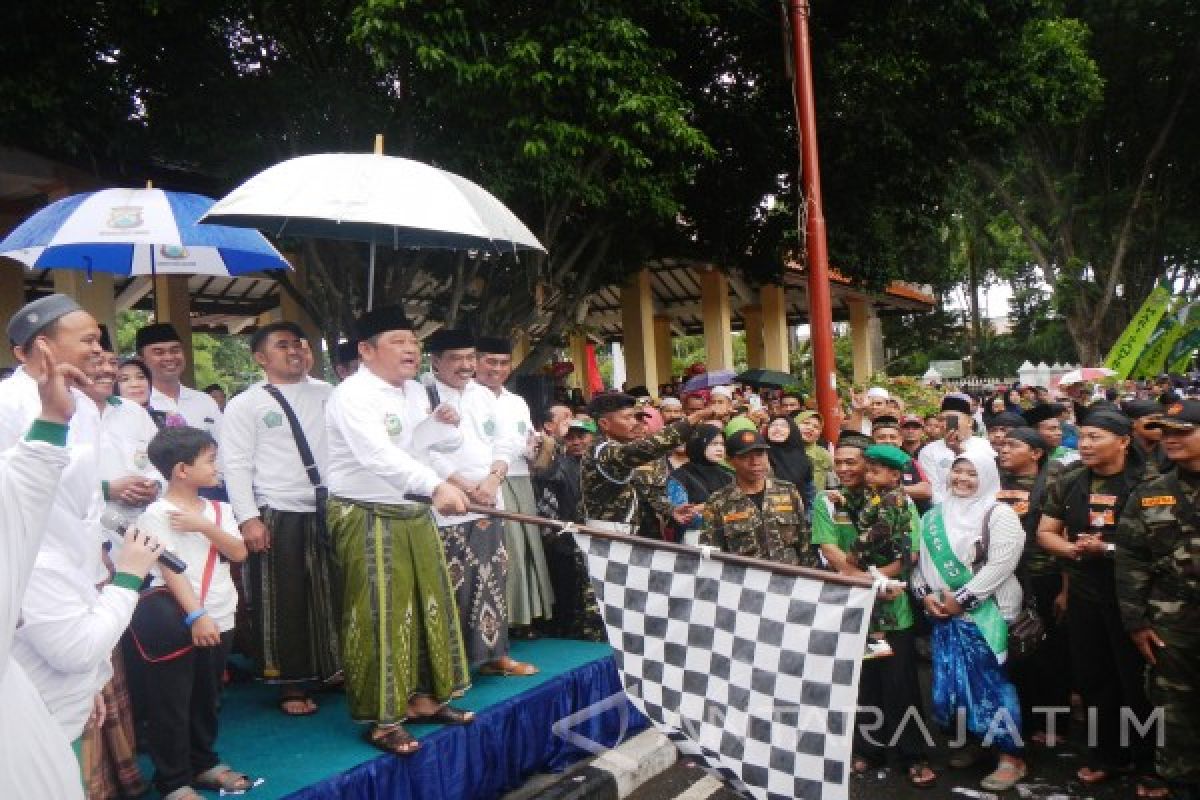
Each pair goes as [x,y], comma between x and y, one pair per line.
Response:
[1027,630]
[157,627]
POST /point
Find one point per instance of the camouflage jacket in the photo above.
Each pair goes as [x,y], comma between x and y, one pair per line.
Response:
[650,484]
[1158,555]
[733,522]
[1020,493]
[884,529]
[608,472]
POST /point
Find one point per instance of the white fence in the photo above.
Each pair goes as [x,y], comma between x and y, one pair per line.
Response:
[1042,374]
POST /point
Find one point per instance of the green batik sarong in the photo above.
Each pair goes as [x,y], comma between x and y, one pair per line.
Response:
[987,616]
[400,633]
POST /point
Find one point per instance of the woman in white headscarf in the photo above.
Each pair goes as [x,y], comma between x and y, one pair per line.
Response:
[970,592]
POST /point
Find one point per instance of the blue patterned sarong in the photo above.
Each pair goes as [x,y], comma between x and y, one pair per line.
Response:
[969,680]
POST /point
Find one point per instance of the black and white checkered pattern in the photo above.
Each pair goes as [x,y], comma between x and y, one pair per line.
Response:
[754,672]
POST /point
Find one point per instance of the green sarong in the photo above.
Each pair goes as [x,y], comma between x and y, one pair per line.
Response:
[987,616]
[530,593]
[400,633]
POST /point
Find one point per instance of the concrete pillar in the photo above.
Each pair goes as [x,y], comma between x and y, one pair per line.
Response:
[718,331]
[775,328]
[752,320]
[97,296]
[173,304]
[662,349]
[577,352]
[12,297]
[292,311]
[866,335]
[637,328]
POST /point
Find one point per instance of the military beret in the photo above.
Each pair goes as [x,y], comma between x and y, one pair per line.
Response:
[581,426]
[1042,412]
[854,439]
[1136,409]
[381,320]
[33,317]
[954,402]
[1111,421]
[609,402]
[638,391]
[885,421]
[445,339]
[496,345]
[1029,436]
[1183,415]
[744,441]
[888,455]
[157,333]
[1005,419]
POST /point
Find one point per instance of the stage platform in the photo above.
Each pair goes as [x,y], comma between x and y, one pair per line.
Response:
[323,756]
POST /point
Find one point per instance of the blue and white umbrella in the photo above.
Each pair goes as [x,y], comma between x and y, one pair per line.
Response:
[137,232]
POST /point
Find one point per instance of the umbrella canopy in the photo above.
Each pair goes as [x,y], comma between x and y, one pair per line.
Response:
[707,380]
[367,197]
[1085,374]
[137,232]
[766,377]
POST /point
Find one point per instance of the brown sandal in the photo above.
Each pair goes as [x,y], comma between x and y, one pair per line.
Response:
[223,778]
[306,704]
[392,739]
[509,669]
[917,770]
[446,715]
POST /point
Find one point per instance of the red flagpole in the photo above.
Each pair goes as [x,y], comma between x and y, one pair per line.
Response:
[820,305]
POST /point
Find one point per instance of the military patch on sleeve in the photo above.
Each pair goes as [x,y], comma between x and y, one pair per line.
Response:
[1158,500]
[736,516]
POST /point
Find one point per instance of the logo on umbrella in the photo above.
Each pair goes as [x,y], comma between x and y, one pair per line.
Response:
[124,217]
[175,251]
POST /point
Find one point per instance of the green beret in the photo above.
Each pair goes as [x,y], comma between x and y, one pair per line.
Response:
[888,455]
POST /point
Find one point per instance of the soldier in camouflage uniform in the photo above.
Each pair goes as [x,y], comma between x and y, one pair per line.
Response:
[609,498]
[757,516]
[1158,589]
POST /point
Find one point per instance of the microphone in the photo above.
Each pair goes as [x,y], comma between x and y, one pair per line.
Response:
[116,523]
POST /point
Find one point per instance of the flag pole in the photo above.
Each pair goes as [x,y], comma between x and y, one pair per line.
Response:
[820,305]
[674,547]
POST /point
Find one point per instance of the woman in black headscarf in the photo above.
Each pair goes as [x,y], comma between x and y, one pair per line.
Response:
[704,474]
[789,461]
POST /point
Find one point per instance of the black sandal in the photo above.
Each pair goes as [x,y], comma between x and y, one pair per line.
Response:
[446,715]
[392,739]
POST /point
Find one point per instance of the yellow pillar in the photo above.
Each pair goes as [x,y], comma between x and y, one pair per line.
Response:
[714,307]
[97,296]
[577,352]
[662,349]
[520,348]
[173,304]
[637,328]
[292,311]
[752,322]
[12,297]
[775,328]
[860,319]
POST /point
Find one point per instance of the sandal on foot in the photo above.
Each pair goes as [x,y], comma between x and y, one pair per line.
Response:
[223,778]
[183,793]
[1094,776]
[392,739]
[446,715]
[921,775]
[508,669]
[1004,777]
[297,705]
[860,765]
[1152,787]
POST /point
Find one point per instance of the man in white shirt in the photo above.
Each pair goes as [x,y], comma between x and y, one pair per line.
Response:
[530,592]
[288,579]
[160,347]
[404,658]
[475,544]
[938,456]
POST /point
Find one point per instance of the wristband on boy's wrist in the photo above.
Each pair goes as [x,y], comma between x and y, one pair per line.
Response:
[191,618]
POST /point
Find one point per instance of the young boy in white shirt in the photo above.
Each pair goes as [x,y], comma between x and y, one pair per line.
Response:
[182,690]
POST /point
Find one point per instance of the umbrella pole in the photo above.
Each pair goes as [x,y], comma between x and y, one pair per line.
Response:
[371,279]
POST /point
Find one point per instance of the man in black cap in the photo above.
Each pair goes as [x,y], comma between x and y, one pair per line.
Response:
[1147,436]
[530,591]
[998,426]
[345,359]
[1046,419]
[609,499]
[936,457]
[1083,506]
[159,346]
[401,661]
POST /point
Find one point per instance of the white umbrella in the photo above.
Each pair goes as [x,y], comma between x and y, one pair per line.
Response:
[1085,374]
[370,197]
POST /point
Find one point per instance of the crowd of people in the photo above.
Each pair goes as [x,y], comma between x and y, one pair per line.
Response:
[342,536]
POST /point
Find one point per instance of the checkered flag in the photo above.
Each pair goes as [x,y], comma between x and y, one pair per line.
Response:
[752,671]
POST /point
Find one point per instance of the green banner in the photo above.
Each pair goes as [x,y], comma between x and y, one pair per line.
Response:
[1180,357]
[1181,318]
[1128,348]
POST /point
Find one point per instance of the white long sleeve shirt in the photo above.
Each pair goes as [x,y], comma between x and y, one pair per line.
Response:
[480,443]
[124,438]
[35,758]
[936,459]
[377,435]
[515,426]
[996,577]
[259,457]
[197,408]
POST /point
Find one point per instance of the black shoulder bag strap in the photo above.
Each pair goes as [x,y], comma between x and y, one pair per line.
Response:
[434,399]
[306,456]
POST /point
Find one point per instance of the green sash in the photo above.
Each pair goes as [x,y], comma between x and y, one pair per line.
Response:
[987,616]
